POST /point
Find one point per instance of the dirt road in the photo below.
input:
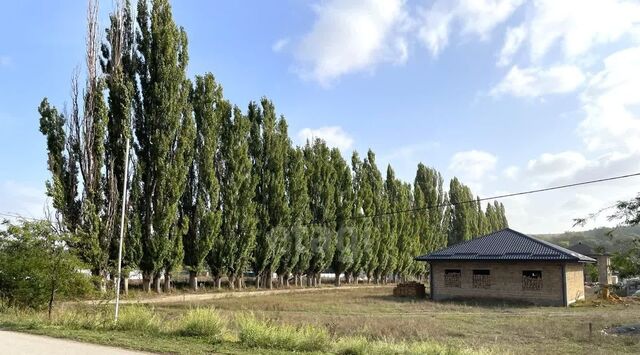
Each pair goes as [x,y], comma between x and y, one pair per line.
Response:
[12,343]
[231,294]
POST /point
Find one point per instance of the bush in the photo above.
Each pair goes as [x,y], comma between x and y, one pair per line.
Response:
[202,322]
[139,319]
[37,267]
[260,334]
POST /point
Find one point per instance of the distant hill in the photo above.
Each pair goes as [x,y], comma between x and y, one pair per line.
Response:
[620,240]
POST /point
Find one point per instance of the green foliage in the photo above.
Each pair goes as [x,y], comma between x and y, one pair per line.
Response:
[200,202]
[255,333]
[211,185]
[36,267]
[164,129]
[237,189]
[296,257]
[627,264]
[321,184]
[592,271]
[202,322]
[134,318]
[269,147]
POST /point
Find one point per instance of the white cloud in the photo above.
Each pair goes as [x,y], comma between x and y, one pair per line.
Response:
[513,40]
[351,36]
[280,44]
[474,17]
[579,25]
[611,104]
[535,81]
[472,164]
[335,136]
[552,166]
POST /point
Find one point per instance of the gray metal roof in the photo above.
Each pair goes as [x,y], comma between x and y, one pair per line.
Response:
[508,245]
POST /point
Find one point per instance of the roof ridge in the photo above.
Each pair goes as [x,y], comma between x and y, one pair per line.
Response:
[477,238]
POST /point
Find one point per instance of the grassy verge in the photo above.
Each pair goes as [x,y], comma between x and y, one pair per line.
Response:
[203,330]
[348,321]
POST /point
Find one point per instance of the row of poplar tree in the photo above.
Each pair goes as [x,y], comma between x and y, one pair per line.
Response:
[215,187]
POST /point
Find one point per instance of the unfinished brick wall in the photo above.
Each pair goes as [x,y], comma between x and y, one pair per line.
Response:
[575,282]
[506,282]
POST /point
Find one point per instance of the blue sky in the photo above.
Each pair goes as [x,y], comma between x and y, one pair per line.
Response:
[506,94]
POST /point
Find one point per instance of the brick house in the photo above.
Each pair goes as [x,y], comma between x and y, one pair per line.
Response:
[507,265]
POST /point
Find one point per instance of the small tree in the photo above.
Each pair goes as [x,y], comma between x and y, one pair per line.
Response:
[36,266]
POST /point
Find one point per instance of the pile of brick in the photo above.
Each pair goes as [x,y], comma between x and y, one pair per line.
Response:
[409,289]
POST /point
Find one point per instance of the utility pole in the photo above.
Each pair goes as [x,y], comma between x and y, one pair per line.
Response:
[124,205]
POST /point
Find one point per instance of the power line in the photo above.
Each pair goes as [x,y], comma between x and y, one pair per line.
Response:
[15,215]
[527,192]
[417,209]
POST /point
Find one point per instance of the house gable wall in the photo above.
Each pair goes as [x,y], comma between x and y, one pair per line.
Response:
[575,282]
[506,281]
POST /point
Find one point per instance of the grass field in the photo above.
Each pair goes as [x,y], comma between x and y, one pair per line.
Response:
[374,315]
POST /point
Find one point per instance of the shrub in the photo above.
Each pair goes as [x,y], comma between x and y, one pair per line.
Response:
[260,334]
[37,267]
[139,319]
[202,322]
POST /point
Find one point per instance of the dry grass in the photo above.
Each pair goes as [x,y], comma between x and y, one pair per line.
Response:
[374,314]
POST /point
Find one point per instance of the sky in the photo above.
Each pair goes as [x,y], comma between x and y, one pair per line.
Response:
[507,95]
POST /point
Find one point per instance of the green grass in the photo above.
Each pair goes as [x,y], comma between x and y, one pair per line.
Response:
[356,321]
[254,333]
[202,322]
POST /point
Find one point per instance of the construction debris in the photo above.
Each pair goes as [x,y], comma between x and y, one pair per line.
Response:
[410,289]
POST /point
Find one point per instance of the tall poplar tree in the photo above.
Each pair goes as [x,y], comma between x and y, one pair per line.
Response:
[463,213]
[164,129]
[371,189]
[359,235]
[270,142]
[320,187]
[343,200]
[118,66]
[77,160]
[296,257]
[430,202]
[232,255]
[201,200]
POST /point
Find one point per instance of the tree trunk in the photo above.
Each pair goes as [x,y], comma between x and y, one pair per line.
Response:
[167,282]
[125,285]
[218,282]
[156,283]
[146,284]
[319,282]
[270,280]
[193,281]
[232,282]
[337,281]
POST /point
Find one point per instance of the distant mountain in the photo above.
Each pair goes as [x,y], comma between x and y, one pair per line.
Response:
[621,238]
